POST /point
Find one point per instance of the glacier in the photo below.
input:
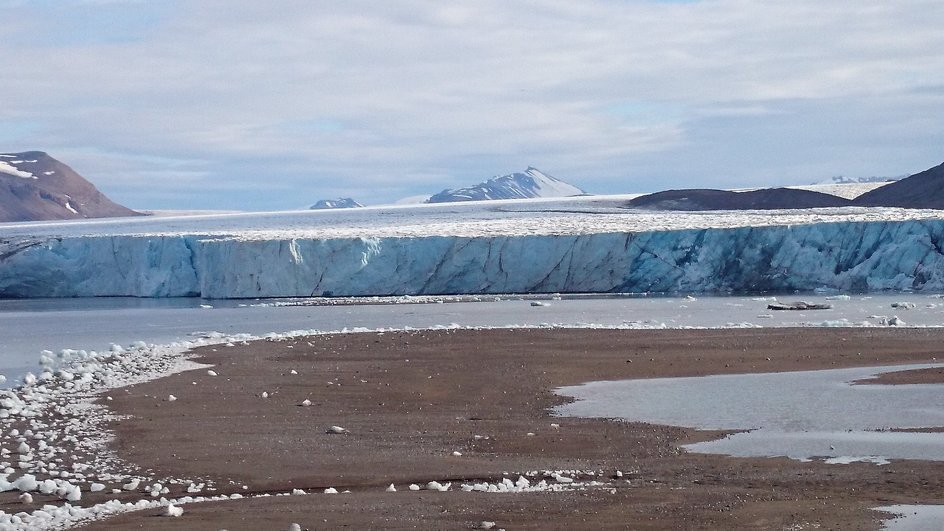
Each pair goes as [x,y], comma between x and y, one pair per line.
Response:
[576,246]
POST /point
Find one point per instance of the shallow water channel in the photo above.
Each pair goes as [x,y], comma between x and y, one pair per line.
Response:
[802,415]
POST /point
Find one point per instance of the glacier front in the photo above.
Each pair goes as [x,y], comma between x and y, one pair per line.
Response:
[586,246]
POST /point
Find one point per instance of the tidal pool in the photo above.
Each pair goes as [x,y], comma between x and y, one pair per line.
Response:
[801,415]
[914,517]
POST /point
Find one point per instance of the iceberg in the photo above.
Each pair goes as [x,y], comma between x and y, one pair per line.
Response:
[573,246]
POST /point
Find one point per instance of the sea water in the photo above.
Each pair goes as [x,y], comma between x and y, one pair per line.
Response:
[30,326]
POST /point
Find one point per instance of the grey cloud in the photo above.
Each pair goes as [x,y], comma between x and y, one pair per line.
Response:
[411,89]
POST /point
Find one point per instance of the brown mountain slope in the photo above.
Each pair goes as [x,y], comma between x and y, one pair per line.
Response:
[35,186]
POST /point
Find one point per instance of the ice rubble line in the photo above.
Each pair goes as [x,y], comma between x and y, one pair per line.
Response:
[872,255]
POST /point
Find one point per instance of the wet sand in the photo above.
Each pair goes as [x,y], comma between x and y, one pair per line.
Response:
[917,376]
[409,400]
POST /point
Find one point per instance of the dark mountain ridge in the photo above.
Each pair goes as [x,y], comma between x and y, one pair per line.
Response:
[707,199]
[921,190]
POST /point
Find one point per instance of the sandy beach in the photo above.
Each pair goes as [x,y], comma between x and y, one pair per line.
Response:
[472,406]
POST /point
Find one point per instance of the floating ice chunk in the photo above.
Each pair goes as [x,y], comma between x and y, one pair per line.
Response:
[562,479]
[298,492]
[457,454]
[293,371]
[305,403]
[265,394]
[211,372]
[331,490]
[414,486]
[132,485]
[171,398]
[294,527]
[172,510]
[96,487]
[26,498]
[485,524]
[845,460]
[337,429]
[391,488]
[903,305]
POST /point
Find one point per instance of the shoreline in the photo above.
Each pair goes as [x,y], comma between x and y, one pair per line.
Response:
[406,418]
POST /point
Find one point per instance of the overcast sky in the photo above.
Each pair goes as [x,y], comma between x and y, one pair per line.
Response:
[267,105]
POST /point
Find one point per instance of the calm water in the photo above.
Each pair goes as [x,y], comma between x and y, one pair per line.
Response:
[30,326]
[801,415]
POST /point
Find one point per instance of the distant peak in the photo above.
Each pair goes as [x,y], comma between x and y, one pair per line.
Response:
[532,183]
[341,202]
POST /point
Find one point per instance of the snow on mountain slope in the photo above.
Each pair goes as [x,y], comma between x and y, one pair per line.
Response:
[846,190]
[531,183]
[575,245]
[341,202]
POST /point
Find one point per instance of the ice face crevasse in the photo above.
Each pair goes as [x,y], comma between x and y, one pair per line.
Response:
[857,256]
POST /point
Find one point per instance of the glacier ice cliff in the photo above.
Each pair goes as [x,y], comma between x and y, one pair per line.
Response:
[848,256]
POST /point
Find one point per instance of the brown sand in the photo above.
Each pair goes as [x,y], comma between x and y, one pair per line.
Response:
[411,399]
[917,376]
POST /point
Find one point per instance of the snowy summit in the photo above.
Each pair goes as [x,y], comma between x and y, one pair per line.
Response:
[532,183]
[341,202]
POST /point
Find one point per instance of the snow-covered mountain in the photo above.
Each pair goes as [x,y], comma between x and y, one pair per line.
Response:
[532,183]
[572,245]
[35,186]
[341,202]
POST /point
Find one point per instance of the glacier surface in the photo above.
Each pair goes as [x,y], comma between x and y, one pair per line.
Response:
[586,245]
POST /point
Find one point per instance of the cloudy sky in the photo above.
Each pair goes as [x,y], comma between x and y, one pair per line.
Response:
[243,104]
